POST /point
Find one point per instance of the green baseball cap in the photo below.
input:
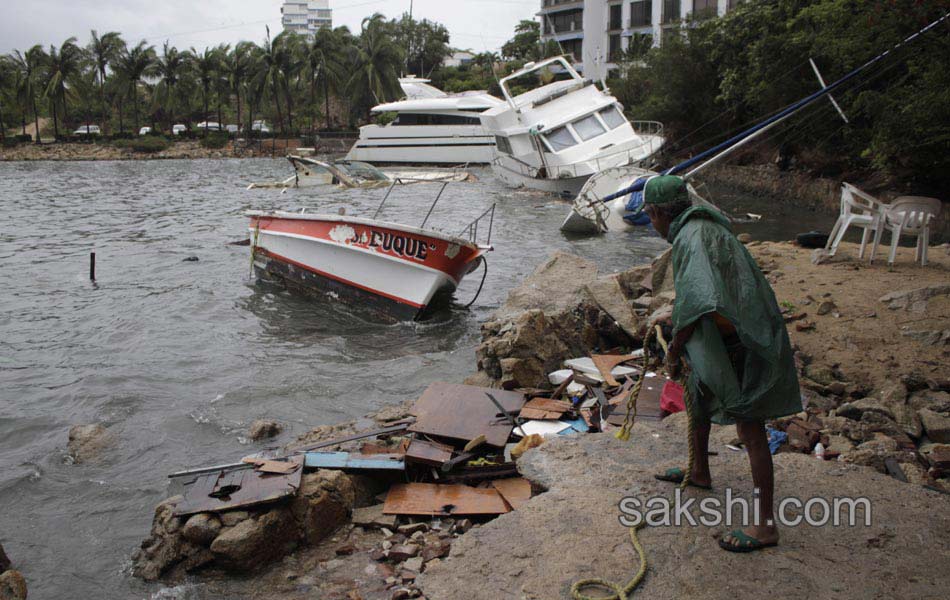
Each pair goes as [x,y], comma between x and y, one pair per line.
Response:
[665,189]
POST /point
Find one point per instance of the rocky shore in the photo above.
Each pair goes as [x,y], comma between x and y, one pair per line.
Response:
[186,149]
[872,349]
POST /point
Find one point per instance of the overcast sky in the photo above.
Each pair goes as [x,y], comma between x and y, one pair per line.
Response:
[475,24]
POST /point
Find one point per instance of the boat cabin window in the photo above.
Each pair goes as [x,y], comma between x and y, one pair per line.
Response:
[424,119]
[612,117]
[503,144]
[560,139]
[588,128]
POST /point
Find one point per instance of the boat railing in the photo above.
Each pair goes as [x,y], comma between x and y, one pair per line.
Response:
[470,231]
[647,127]
[588,165]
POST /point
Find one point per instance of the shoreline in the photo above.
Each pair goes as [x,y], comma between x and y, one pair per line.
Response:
[875,378]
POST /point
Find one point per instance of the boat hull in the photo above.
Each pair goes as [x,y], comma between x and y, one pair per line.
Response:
[451,145]
[392,270]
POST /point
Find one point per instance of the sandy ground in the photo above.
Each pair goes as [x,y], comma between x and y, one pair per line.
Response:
[861,337]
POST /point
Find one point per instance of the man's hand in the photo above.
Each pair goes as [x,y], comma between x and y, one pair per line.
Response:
[674,361]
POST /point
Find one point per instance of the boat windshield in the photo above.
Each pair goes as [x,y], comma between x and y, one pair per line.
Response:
[588,128]
[362,170]
[612,117]
[560,139]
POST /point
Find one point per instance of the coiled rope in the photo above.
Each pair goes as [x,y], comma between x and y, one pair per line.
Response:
[623,591]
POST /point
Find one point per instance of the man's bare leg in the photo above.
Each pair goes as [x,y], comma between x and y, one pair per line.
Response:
[753,435]
[700,474]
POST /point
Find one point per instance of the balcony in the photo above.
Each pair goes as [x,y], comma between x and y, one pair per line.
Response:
[641,14]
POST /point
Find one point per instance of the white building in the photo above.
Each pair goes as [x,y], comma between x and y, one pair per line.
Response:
[306,16]
[595,31]
[458,58]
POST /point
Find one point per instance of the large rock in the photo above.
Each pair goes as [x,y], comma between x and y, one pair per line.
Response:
[12,586]
[255,542]
[165,548]
[86,441]
[561,311]
[936,425]
[931,400]
[322,504]
[201,528]
[263,428]
[572,531]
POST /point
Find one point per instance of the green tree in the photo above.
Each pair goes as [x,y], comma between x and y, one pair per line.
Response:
[326,67]
[102,53]
[377,62]
[526,42]
[206,65]
[425,43]
[173,67]
[133,66]
[236,69]
[31,66]
[62,65]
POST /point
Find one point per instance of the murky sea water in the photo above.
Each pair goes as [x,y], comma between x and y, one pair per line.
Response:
[177,357]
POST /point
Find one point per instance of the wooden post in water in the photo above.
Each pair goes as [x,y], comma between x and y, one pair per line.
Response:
[92,266]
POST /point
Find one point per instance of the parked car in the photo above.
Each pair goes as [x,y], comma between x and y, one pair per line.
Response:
[178,129]
[209,126]
[260,126]
[232,128]
[88,130]
[145,130]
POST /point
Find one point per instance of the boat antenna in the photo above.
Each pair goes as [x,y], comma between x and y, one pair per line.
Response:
[720,151]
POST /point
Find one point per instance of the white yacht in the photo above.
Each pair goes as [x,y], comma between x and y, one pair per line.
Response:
[431,127]
[555,136]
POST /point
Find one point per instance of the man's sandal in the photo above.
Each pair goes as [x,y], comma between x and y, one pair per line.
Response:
[676,475]
[742,542]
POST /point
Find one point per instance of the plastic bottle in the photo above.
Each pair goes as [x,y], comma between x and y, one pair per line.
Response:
[820,451]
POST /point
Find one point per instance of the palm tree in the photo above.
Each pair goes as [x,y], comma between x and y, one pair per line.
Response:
[132,67]
[236,68]
[378,60]
[205,67]
[173,66]
[325,65]
[64,64]
[31,67]
[268,76]
[103,52]
[222,86]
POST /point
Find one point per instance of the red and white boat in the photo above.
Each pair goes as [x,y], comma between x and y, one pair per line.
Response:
[392,269]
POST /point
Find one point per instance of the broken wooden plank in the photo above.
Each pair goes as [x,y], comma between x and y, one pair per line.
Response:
[430,499]
[428,452]
[515,491]
[605,364]
[463,412]
[545,409]
[354,462]
[235,487]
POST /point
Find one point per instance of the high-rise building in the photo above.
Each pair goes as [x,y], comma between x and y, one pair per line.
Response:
[596,32]
[306,16]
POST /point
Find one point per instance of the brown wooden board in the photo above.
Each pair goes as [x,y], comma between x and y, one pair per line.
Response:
[605,363]
[235,487]
[463,412]
[648,404]
[428,453]
[544,408]
[429,499]
[515,491]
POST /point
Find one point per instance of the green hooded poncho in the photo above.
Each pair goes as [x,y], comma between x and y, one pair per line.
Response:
[713,272]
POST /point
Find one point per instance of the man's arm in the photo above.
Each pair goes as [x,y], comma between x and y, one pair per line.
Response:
[674,354]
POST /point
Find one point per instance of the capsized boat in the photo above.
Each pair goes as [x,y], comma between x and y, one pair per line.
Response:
[309,172]
[391,269]
[431,127]
[554,137]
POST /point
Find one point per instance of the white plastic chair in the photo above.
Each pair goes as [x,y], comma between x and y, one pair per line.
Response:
[908,215]
[860,209]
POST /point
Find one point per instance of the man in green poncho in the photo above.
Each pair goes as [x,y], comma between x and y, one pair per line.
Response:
[728,326]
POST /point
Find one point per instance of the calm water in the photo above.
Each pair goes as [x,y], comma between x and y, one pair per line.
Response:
[177,358]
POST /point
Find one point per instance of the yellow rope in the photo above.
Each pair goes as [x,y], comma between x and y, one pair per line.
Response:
[622,592]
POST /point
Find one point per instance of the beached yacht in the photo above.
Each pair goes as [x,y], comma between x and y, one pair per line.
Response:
[555,136]
[431,127]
